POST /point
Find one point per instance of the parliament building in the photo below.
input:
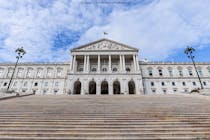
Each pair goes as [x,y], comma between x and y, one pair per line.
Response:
[105,67]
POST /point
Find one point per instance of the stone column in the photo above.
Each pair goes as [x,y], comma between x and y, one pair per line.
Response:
[110,88]
[123,63]
[137,63]
[82,87]
[134,63]
[74,63]
[120,63]
[98,88]
[99,64]
[84,68]
[110,64]
[88,64]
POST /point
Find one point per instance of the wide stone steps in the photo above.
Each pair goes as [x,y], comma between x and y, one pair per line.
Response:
[105,118]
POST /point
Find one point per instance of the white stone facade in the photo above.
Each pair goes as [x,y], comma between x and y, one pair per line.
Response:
[104,67]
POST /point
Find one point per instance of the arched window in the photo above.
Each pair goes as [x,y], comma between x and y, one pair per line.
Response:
[128,69]
[114,70]
[29,72]
[200,71]
[49,72]
[180,71]
[59,72]
[1,72]
[39,72]
[104,69]
[150,73]
[170,71]
[20,72]
[93,69]
[160,72]
[25,84]
[80,69]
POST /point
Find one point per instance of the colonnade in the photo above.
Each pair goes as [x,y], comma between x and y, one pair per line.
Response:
[122,65]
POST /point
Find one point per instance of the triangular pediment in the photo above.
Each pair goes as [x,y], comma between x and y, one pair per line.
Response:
[104,44]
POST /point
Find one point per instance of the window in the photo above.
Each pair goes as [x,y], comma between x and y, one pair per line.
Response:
[104,69]
[25,84]
[152,83]
[35,84]
[200,72]
[14,84]
[128,69]
[153,90]
[160,72]
[209,71]
[93,69]
[204,83]
[44,91]
[180,73]
[1,72]
[20,71]
[162,83]
[49,72]
[39,72]
[80,69]
[173,84]
[150,72]
[194,83]
[46,84]
[29,72]
[190,72]
[170,72]
[56,84]
[23,90]
[114,70]
[10,72]
[175,90]
[55,91]
[183,83]
[59,72]
[5,84]
[164,90]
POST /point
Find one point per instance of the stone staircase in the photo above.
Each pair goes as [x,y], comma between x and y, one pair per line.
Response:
[105,117]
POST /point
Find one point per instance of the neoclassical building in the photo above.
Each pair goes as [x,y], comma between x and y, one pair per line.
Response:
[104,67]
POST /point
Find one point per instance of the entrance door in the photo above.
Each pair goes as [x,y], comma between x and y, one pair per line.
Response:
[116,87]
[104,87]
[92,87]
[77,87]
[131,87]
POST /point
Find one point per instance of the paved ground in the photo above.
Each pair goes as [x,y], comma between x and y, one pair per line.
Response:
[106,117]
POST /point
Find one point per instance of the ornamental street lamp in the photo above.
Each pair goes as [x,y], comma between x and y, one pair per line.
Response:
[20,52]
[188,51]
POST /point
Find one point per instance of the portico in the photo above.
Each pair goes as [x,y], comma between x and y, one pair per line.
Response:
[105,67]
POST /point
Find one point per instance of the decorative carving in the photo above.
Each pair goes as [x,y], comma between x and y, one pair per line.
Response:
[105,45]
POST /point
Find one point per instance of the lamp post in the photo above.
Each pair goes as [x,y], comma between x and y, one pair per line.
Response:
[188,51]
[20,52]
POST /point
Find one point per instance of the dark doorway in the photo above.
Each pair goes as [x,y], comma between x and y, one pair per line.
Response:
[104,87]
[92,87]
[116,87]
[77,87]
[131,87]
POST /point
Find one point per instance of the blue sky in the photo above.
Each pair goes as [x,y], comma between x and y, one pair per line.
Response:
[48,29]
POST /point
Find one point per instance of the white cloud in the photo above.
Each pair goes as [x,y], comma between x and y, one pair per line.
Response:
[161,27]
[34,25]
